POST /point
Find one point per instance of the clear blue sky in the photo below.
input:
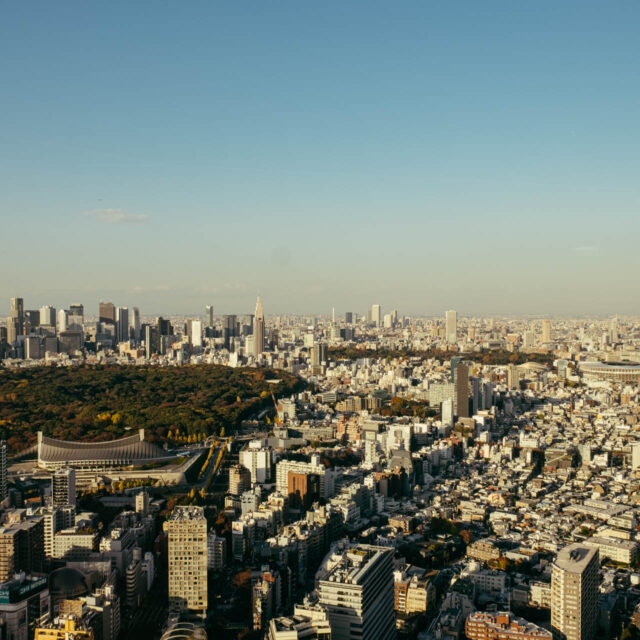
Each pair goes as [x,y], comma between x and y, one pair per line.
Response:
[482,156]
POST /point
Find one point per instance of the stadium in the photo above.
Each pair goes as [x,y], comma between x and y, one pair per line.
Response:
[623,372]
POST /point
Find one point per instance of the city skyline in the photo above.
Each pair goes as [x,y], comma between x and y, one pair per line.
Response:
[481,158]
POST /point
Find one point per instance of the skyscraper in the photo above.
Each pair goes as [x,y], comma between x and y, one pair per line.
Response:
[258,329]
[122,324]
[546,330]
[451,319]
[462,391]
[209,315]
[187,531]
[574,593]
[376,315]
[228,329]
[357,592]
[47,316]
[135,323]
[107,313]
[17,313]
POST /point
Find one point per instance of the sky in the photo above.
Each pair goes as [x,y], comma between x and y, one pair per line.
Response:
[481,156]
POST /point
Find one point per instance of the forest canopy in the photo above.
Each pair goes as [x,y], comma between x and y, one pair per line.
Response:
[96,403]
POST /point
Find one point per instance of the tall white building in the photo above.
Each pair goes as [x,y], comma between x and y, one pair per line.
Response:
[574,593]
[356,589]
[48,316]
[188,559]
[259,461]
[376,315]
[258,329]
[546,330]
[196,333]
[451,319]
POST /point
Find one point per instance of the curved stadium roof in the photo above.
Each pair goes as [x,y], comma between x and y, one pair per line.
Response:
[126,450]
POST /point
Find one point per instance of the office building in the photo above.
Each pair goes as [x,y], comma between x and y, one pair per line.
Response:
[196,333]
[462,391]
[17,314]
[187,532]
[451,326]
[258,329]
[107,313]
[355,587]
[47,316]
[151,340]
[122,324]
[376,315]
[319,354]
[348,317]
[574,593]
[209,315]
[546,330]
[63,488]
[229,330]
[135,324]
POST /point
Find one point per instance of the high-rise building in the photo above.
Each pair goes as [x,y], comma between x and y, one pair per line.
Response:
[48,316]
[76,309]
[462,391]
[63,320]
[21,547]
[228,329]
[187,531]
[196,333]
[613,330]
[258,329]
[3,469]
[135,323]
[239,479]
[107,313]
[209,315]
[319,354]
[356,589]
[122,324]
[574,593]
[63,488]
[151,339]
[348,317]
[546,330]
[17,313]
[451,321]
[376,315]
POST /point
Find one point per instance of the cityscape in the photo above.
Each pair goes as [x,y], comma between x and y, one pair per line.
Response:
[319,320]
[385,476]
